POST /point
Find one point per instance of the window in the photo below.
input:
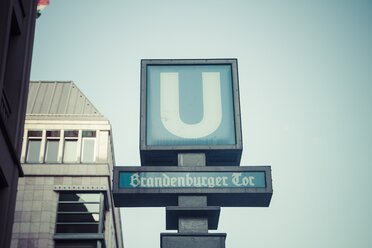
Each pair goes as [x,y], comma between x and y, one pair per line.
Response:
[70,152]
[77,244]
[88,147]
[80,213]
[52,145]
[33,146]
[70,146]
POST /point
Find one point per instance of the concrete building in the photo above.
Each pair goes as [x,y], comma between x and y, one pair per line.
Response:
[65,197]
[17,24]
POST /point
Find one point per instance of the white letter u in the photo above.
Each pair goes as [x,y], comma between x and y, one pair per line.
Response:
[169,106]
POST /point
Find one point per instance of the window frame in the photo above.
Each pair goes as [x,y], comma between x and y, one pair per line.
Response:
[31,138]
[83,140]
[88,135]
[100,212]
[52,138]
[66,239]
[71,138]
[64,243]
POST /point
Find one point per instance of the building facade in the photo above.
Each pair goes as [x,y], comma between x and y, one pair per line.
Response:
[65,197]
[17,25]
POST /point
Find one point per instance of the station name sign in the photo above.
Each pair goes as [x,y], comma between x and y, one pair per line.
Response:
[192,180]
[225,186]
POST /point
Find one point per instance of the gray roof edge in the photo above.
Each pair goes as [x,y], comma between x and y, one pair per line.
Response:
[41,101]
[65,117]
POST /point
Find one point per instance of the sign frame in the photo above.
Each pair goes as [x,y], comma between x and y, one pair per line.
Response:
[161,197]
[216,155]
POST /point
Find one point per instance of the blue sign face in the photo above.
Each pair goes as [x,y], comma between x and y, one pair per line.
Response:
[190,105]
[192,180]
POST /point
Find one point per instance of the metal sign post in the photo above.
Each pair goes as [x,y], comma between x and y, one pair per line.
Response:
[190,148]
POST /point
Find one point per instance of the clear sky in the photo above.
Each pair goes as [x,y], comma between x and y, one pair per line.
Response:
[305,71]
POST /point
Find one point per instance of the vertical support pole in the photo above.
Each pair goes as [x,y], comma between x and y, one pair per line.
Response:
[192,216]
[187,224]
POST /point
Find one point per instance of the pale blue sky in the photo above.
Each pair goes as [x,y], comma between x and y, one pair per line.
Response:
[305,70]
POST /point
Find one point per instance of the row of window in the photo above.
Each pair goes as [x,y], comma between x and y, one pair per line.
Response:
[67,140]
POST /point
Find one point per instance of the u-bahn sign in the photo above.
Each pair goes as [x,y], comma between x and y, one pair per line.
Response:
[190,106]
[224,186]
[190,147]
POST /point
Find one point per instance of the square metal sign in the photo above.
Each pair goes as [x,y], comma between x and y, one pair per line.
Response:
[190,106]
